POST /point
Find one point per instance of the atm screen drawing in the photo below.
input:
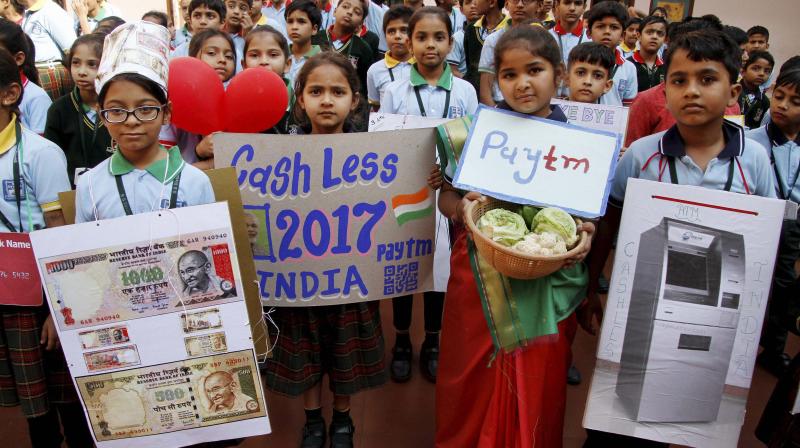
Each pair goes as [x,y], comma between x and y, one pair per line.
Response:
[682,322]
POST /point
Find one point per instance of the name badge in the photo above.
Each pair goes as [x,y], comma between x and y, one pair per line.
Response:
[8,191]
[178,204]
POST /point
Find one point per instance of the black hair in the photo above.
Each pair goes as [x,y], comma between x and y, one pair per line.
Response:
[534,39]
[145,83]
[753,56]
[595,54]
[107,25]
[9,74]
[397,12]
[633,21]
[789,78]
[791,64]
[196,44]
[584,2]
[162,18]
[434,11]
[93,40]
[758,29]
[649,20]
[737,34]
[708,45]
[659,8]
[608,9]
[310,8]
[14,40]
[217,6]
[676,30]
[18,6]
[266,29]
[713,19]
[339,62]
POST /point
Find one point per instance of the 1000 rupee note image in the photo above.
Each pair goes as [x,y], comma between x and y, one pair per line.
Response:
[149,278]
[200,392]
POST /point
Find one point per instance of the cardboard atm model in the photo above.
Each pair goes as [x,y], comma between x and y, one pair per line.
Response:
[682,322]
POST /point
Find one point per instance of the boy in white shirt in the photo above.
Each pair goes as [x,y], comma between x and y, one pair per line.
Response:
[396,64]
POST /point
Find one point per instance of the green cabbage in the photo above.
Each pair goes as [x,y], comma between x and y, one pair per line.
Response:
[528,212]
[557,221]
[503,226]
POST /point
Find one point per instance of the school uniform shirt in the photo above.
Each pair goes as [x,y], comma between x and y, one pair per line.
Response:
[107,10]
[649,114]
[742,162]
[754,104]
[327,16]
[181,50]
[374,23]
[646,76]
[475,36]
[625,88]
[784,154]
[77,130]
[146,190]
[457,56]
[486,62]
[43,174]
[238,49]
[50,28]
[182,35]
[277,14]
[451,97]
[383,72]
[457,19]
[566,42]
[626,52]
[298,63]
[34,106]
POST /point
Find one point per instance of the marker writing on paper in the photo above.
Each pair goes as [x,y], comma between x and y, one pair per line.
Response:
[496,141]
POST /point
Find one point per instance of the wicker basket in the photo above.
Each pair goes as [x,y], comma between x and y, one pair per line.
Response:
[509,262]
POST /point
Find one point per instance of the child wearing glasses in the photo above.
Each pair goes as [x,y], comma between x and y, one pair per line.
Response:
[141,175]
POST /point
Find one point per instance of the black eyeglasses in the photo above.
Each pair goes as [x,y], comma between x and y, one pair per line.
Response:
[142,113]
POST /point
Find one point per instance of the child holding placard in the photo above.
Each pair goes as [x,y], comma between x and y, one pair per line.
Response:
[343,341]
[142,175]
[438,94]
[701,149]
[519,399]
[33,372]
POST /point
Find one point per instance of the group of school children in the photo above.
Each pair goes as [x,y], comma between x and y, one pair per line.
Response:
[102,124]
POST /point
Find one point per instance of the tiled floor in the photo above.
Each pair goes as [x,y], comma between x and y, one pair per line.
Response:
[402,415]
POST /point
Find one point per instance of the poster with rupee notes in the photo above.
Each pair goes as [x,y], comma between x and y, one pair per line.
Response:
[151,315]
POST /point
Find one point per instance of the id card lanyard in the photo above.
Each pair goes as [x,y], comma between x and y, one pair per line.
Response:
[123,197]
[18,157]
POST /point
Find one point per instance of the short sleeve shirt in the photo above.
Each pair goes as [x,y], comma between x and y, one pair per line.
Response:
[43,174]
[146,190]
[457,56]
[50,28]
[626,83]
[784,155]
[383,72]
[486,64]
[34,106]
[298,63]
[648,158]
[374,23]
[401,96]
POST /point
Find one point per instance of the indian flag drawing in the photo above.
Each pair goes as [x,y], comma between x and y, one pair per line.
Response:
[408,207]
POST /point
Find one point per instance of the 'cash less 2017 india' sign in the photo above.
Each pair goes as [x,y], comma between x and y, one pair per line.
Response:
[336,218]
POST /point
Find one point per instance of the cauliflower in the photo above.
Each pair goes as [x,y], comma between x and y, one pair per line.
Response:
[549,239]
[560,248]
[528,246]
[557,221]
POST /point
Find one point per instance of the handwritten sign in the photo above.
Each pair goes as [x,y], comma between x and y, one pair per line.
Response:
[19,277]
[601,117]
[529,160]
[336,218]
[398,122]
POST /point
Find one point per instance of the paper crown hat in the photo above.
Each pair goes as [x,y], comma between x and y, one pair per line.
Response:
[135,47]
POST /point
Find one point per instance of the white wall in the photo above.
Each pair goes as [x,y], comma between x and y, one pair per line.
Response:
[779,16]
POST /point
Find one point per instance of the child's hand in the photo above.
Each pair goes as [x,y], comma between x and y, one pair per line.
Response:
[589,228]
[461,208]
[247,24]
[49,335]
[590,310]
[205,149]
[435,178]
[80,8]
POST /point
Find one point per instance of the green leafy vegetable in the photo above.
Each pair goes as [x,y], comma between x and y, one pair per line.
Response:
[556,221]
[528,212]
[503,226]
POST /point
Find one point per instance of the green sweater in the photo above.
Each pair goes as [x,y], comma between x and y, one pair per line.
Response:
[85,143]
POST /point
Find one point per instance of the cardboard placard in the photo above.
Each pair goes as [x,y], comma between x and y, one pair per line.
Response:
[337,218]
[538,162]
[19,278]
[396,122]
[602,117]
[690,283]
[223,181]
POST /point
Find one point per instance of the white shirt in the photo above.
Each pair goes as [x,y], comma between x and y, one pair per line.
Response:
[457,19]
[108,10]
[486,64]
[626,83]
[457,56]
[374,23]
[400,96]
[50,29]
[34,106]
[383,72]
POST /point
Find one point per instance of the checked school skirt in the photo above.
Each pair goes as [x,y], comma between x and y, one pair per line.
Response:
[343,341]
[55,79]
[30,376]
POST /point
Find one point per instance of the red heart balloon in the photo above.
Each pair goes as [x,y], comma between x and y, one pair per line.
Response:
[197,96]
[255,101]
